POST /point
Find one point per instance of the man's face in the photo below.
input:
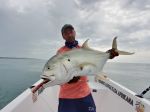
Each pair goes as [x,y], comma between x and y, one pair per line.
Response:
[69,35]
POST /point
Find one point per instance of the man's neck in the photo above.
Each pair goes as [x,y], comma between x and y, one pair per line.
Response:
[71,44]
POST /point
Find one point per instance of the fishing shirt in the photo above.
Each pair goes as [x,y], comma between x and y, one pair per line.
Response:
[78,89]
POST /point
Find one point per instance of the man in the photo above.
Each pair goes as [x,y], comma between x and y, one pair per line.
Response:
[75,96]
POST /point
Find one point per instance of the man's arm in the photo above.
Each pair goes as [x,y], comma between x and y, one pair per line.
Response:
[74,80]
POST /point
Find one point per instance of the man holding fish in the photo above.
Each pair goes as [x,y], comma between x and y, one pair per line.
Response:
[75,96]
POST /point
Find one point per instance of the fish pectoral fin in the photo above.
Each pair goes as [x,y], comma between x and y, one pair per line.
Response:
[84,65]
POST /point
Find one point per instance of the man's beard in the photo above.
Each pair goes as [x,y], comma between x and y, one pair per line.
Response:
[71,39]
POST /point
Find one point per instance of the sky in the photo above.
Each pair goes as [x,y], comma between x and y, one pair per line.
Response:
[32,28]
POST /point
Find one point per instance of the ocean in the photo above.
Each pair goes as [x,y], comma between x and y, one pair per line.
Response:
[18,74]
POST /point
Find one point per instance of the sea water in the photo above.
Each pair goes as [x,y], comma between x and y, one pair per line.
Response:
[16,75]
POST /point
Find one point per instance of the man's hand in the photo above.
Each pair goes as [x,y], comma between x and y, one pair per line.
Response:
[112,53]
[74,80]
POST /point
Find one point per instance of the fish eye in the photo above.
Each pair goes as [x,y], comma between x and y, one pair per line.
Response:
[68,59]
[48,68]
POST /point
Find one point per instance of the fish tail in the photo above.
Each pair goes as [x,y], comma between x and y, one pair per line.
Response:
[114,46]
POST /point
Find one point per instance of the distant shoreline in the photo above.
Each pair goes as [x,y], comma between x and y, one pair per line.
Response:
[18,58]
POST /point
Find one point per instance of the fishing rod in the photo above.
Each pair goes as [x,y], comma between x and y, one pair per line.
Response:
[143,92]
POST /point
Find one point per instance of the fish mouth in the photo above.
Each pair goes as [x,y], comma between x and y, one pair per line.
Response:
[45,78]
[48,79]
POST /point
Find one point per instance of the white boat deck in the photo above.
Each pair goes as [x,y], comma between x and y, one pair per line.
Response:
[109,97]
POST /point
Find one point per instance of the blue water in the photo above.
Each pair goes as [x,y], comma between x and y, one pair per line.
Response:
[16,75]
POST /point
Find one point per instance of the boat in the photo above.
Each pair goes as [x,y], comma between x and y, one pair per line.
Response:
[108,95]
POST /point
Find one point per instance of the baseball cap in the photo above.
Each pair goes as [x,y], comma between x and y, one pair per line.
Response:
[66,26]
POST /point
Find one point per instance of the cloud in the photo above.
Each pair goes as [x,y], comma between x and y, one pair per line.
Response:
[31,28]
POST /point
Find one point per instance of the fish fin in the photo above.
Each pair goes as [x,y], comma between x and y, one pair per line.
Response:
[100,76]
[84,65]
[124,53]
[114,46]
[85,44]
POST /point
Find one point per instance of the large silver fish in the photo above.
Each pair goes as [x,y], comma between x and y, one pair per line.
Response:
[61,68]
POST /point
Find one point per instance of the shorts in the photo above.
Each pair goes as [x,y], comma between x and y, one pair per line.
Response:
[85,104]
